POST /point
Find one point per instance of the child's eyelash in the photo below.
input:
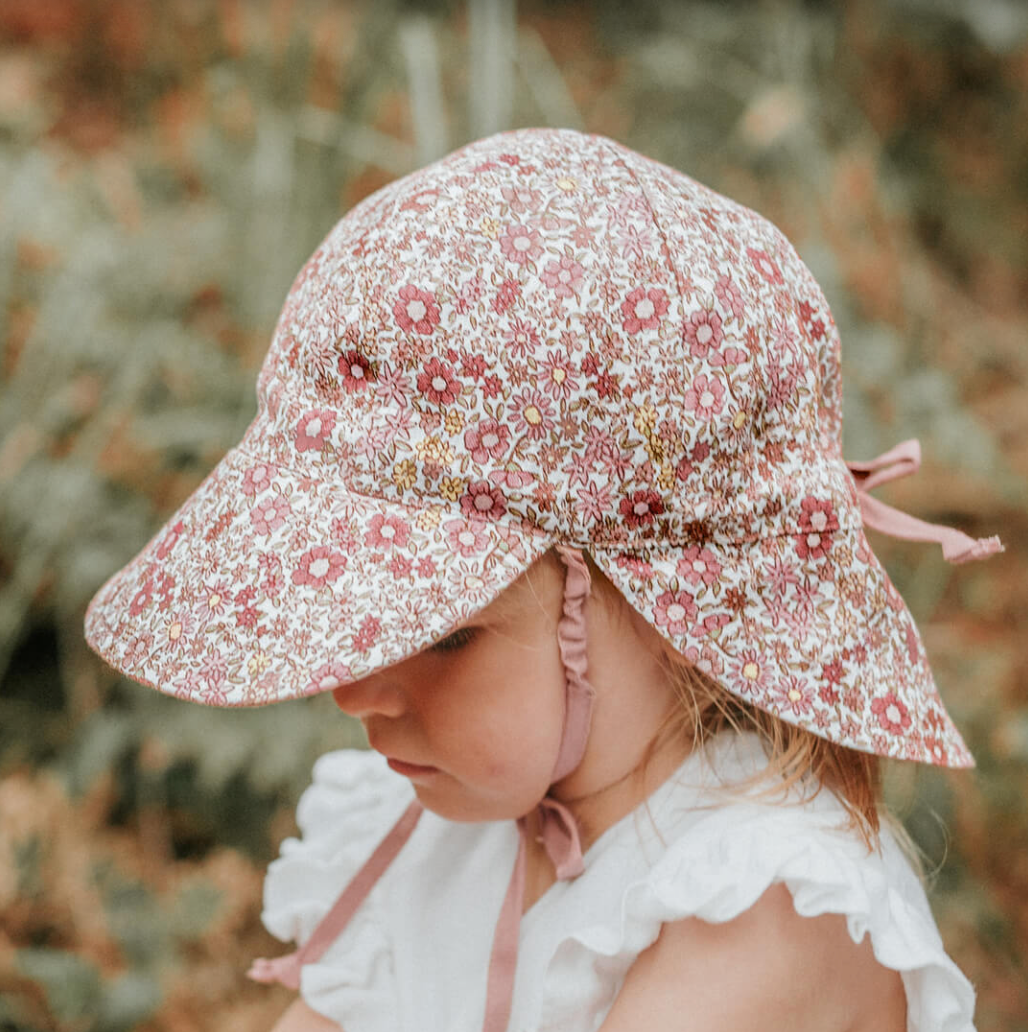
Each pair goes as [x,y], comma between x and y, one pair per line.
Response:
[456,640]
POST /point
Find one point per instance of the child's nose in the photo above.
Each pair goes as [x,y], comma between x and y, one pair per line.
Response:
[371,696]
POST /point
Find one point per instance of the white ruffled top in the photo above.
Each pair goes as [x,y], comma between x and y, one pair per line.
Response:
[416,955]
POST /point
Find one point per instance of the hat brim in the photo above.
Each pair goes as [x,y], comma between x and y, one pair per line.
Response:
[838,656]
[272,586]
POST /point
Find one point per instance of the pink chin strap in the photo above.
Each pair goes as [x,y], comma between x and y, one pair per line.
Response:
[558,831]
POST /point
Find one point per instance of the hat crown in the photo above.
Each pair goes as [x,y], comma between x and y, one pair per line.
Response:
[548,326]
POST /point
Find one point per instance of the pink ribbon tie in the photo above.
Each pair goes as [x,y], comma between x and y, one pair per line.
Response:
[558,829]
[902,461]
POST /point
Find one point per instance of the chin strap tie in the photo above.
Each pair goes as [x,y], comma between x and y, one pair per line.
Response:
[902,461]
[558,833]
[286,970]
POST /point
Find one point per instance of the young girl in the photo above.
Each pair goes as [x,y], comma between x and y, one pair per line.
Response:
[546,487]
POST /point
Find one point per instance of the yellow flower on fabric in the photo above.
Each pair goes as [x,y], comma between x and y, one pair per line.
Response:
[258,663]
[645,418]
[666,476]
[454,422]
[567,184]
[429,518]
[655,450]
[490,228]
[433,449]
[404,474]
[451,488]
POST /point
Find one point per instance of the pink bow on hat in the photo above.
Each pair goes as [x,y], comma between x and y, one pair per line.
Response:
[902,461]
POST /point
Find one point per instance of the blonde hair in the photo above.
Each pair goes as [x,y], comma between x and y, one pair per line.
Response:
[705,707]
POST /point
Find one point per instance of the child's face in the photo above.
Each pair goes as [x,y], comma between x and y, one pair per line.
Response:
[475,721]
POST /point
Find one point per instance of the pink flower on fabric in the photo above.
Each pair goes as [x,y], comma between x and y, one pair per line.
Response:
[703,332]
[367,634]
[520,198]
[727,356]
[319,566]
[508,293]
[564,276]
[593,501]
[750,671]
[438,383]
[512,477]
[794,695]
[273,581]
[642,309]
[765,265]
[891,713]
[472,366]
[400,566]
[329,676]
[483,501]
[532,414]
[698,565]
[641,507]
[258,478]
[313,429]
[469,294]
[638,568]
[709,625]
[705,397]
[675,610]
[416,310]
[520,244]
[817,524]
[269,514]
[557,376]
[214,601]
[138,648]
[467,537]
[387,532]
[169,540]
[728,294]
[178,629]
[356,370]
[936,750]
[487,439]
[142,598]
[522,339]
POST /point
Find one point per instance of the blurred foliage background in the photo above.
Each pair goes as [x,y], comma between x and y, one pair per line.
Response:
[165,168]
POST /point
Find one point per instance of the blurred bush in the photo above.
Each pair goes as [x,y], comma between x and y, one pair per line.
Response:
[165,168]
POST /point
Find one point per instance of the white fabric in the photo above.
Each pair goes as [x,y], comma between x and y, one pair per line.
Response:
[415,957]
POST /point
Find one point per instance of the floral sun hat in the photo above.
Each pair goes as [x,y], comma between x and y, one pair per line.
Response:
[544,338]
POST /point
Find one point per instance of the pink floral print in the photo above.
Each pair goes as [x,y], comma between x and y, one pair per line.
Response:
[319,566]
[313,429]
[544,337]
[416,310]
[521,244]
[642,309]
[563,276]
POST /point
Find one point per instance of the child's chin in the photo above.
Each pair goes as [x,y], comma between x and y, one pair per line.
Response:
[453,806]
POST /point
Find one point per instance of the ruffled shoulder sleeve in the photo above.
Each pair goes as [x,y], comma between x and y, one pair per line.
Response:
[715,862]
[352,803]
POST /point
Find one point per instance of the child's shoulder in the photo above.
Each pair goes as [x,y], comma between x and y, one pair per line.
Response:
[769,968]
[754,910]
